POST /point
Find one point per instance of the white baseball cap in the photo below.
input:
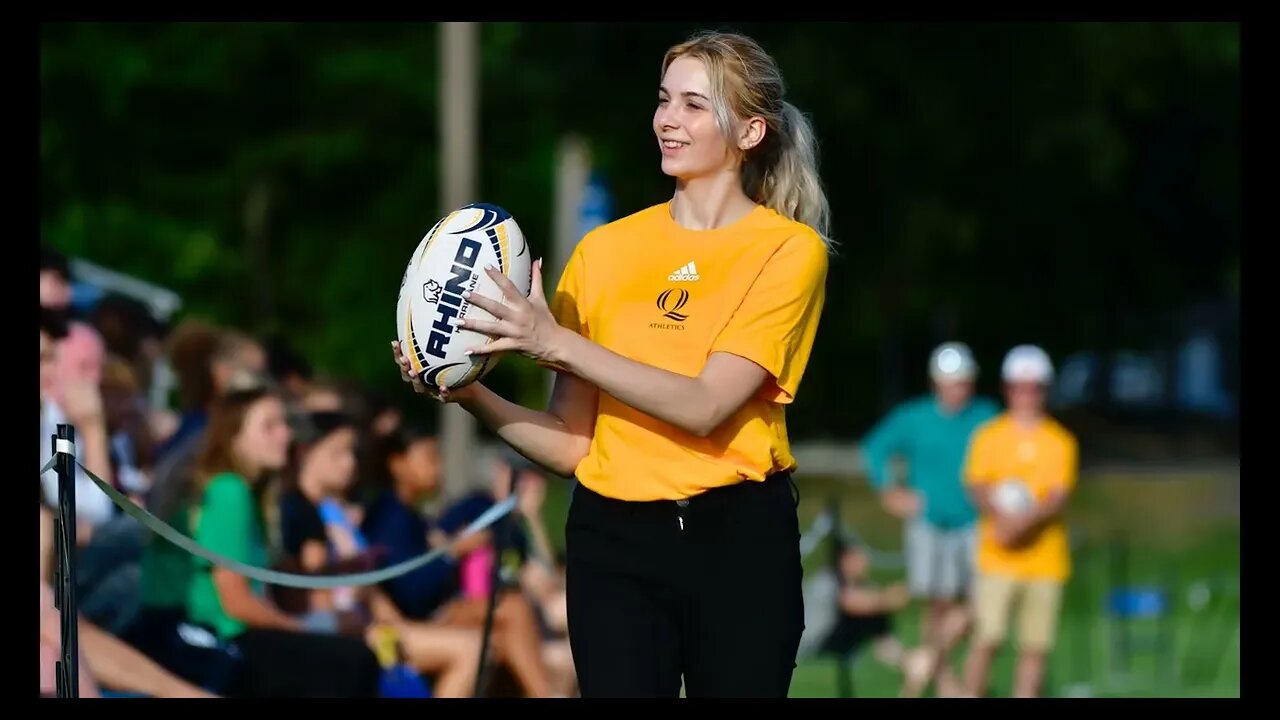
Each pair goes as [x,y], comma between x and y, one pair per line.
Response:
[952,361]
[1027,363]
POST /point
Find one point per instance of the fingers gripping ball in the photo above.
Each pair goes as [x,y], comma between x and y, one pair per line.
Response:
[448,262]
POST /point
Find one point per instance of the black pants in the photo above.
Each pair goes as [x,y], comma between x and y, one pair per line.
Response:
[280,663]
[159,633]
[708,589]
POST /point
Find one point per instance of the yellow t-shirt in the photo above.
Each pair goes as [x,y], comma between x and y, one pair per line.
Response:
[1043,458]
[660,294]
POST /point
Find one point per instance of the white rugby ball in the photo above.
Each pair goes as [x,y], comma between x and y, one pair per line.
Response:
[1012,497]
[447,262]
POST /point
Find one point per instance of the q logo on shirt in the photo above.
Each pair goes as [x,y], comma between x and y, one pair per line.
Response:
[670,302]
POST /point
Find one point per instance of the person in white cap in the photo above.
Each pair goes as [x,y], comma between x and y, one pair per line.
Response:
[932,433]
[1021,469]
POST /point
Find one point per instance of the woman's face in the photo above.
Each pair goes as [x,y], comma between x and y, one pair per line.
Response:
[691,142]
[262,444]
[424,458]
[419,466]
[334,458]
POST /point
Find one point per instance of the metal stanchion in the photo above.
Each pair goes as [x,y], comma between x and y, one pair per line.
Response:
[64,533]
[500,532]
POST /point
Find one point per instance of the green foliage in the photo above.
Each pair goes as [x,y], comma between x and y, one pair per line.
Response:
[1001,183]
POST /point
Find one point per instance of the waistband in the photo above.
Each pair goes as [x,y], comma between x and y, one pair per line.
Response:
[709,498]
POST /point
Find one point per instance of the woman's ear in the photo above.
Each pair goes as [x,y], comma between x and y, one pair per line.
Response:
[751,134]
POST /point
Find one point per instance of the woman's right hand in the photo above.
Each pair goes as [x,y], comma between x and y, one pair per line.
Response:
[441,394]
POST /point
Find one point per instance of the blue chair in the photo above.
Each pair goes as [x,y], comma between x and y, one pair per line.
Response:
[1128,607]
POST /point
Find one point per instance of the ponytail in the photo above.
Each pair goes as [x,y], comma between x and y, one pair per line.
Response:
[783,175]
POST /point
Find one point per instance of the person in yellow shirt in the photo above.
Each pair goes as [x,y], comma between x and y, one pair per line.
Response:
[680,335]
[1021,468]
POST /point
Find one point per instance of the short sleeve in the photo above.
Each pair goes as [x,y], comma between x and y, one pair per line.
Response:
[1069,463]
[978,464]
[300,521]
[777,321]
[568,303]
[226,521]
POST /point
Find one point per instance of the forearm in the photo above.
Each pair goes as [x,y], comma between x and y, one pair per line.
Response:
[46,544]
[119,666]
[259,614]
[96,451]
[877,452]
[861,603]
[981,498]
[541,542]
[1046,512]
[256,612]
[538,435]
[676,399]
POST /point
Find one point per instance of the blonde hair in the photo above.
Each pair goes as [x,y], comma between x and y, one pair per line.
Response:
[781,172]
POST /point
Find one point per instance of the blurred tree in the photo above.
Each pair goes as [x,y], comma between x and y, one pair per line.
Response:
[996,183]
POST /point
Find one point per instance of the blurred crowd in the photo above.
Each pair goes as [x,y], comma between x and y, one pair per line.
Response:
[260,461]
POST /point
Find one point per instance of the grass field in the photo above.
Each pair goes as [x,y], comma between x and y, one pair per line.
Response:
[1182,534]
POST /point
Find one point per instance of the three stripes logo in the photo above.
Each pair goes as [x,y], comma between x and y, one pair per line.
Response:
[688,273]
[670,302]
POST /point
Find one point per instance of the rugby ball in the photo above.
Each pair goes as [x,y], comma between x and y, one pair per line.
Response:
[449,261]
[1012,497]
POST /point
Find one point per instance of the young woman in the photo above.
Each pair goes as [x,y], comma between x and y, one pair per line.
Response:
[680,334]
[247,441]
[410,462]
[318,535]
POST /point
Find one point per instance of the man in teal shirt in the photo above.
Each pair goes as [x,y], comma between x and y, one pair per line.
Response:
[931,433]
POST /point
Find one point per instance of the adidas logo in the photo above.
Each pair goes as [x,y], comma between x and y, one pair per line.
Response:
[688,273]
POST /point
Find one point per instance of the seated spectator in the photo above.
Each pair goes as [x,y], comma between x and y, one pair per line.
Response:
[248,440]
[107,541]
[130,436]
[321,532]
[541,572]
[70,372]
[206,359]
[409,470]
[132,334]
[866,610]
[104,659]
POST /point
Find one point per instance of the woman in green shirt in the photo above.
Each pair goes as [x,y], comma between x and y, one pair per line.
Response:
[248,440]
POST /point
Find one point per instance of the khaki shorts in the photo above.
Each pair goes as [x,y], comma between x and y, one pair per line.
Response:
[1038,604]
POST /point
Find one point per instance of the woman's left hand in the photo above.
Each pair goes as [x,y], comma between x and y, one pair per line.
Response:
[522,324]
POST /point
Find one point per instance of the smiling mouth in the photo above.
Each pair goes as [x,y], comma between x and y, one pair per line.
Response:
[673,144]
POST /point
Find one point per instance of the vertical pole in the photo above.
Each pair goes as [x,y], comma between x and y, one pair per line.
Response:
[64,532]
[459,91]
[573,165]
[501,531]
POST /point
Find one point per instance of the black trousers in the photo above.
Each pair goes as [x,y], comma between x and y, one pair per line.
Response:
[708,590]
[280,663]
